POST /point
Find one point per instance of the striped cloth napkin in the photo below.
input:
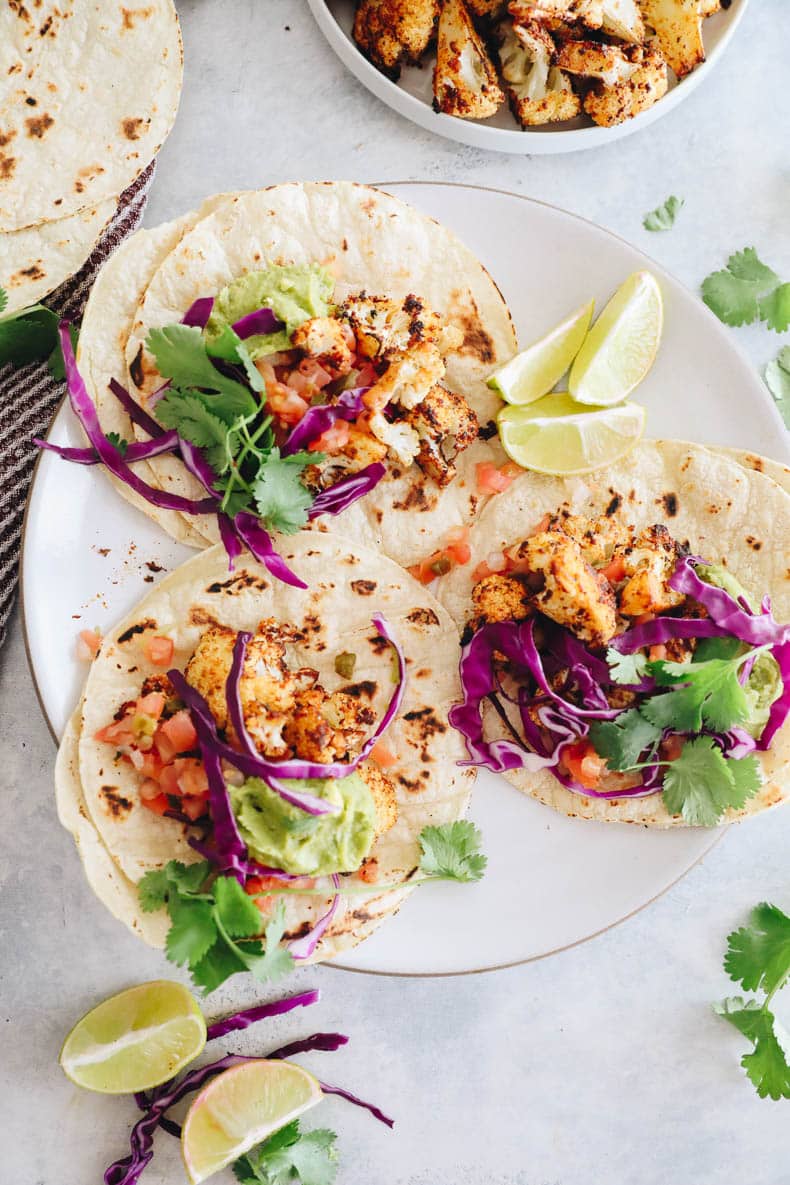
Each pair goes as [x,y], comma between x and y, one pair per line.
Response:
[29,396]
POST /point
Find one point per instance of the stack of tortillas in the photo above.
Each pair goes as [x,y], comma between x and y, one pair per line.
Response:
[89,91]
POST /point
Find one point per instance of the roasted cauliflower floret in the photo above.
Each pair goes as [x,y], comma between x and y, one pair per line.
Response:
[322,728]
[566,588]
[592,59]
[326,340]
[619,18]
[392,32]
[362,449]
[382,326]
[486,9]
[500,597]
[538,92]
[678,27]
[649,563]
[265,679]
[597,537]
[647,83]
[383,794]
[464,79]
[407,378]
[400,438]
[445,425]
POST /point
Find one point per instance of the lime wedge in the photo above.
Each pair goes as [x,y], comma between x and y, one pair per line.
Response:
[621,346]
[534,371]
[135,1040]
[560,436]
[240,1108]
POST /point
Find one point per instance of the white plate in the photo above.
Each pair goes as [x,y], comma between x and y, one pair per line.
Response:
[412,95]
[552,881]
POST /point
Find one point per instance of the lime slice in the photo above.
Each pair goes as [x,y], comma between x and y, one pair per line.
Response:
[135,1040]
[534,371]
[240,1108]
[621,346]
[558,435]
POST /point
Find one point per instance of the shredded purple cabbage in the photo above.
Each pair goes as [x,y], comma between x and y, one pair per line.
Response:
[229,846]
[230,540]
[303,948]
[133,410]
[251,1016]
[85,411]
[261,321]
[319,419]
[352,1098]
[780,708]
[137,451]
[347,491]
[259,543]
[198,313]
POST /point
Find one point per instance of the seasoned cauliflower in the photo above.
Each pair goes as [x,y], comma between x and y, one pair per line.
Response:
[445,425]
[538,92]
[645,85]
[407,379]
[649,563]
[486,8]
[592,59]
[597,537]
[326,340]
[619,18]
[678,27]
[500,597]
[392,32]
[382,326]
[464,79]
[566,588]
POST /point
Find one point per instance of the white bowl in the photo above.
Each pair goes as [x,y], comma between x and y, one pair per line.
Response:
[412,95]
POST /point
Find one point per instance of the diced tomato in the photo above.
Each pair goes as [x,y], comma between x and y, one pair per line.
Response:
[315,373]
[192,777]
[367,375]
[657,653]
[159,650]
[285,404]
[332,440]
[672,747]
[300,383]
[176,735]
[158,805]
[583,764]
[168,780]
[369,871]
[435,565]
[258,884]
[149,764]
[88,645]
[192,807]
[615,570]
[382,755]
[491,480]
[457,547]
[151,704]
[118,733]
[149,789]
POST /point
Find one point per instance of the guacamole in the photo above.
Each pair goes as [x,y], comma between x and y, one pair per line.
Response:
[720,577]
[283,836]
[294,293]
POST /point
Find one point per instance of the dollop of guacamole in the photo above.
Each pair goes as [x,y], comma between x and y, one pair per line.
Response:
[721,577]
[764,684]
[282,836]
[294,293]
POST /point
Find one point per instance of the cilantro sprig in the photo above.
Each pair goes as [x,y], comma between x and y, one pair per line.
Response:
[224,416]
[289,1156]
[758,958]
[31,335]
[215,929]
[663,217]
[691,700]
[777,380]
[747,290]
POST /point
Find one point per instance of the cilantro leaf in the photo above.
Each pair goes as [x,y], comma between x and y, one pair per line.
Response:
[700,784]
[777,380]
[768,1065]
[732,300]
[725,648]
[289,1156]
[281,498]
[3,299]
[28,335]
[192,932]
[775,308]
[120,442]
[745,265]
[181,356]
[711,694]
[272,961]
[623,740]
[152,890]
[218,964]
[452,851]
[758,955]
[663,217]
[626,668]
[236,910]
[190,414]
[188,878]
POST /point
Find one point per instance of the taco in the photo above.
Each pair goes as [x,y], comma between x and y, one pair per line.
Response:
[292,739]
[625,654]
[316,349]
